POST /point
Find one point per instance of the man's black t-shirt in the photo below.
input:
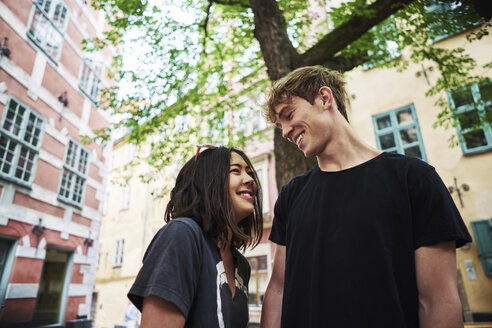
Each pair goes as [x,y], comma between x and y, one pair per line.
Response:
[183,267]
[350,238]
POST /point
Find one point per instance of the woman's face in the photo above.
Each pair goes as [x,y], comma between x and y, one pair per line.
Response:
[242,187]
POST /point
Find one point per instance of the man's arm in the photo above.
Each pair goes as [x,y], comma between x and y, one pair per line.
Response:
[157,312]
[271,313]
[437,283]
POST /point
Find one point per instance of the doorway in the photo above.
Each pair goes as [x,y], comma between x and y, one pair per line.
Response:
[53,287]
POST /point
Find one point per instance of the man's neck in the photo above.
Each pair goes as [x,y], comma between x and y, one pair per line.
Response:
[346,151]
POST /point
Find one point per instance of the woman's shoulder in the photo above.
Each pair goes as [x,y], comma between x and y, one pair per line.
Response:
[182,225]
[180,231]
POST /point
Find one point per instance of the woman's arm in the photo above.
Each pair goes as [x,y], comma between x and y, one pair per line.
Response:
[271,313]
[157,312]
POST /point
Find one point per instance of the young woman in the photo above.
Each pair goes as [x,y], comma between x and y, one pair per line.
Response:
[193,274]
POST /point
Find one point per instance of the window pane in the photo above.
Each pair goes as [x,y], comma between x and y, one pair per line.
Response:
[71,154]
[33,130]
[54,43]
[39,27]
[66,184]
[474,139]
[78,188]
[387,141]
[24,164]
[462,97]
[409,136]
[262,262]
[383,122]
[486,91]
[13,119]
[252,298]
[83,161]
[58,16]
[413,151]
[47,5]
[404,116]
[469,119]
[7,149]
[42,28]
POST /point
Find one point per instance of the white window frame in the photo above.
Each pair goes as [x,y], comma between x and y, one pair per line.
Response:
[23,136]
[479,104]
[262,166]
[395,130]
[125,197]
[91,75]
[75,166]
[263,249]
[45,26]
[252,278]
[130,153]
[119,252]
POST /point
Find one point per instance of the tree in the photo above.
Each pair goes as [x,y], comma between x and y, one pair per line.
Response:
[206,59]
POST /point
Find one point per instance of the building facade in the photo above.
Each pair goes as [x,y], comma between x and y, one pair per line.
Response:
[131,218]
[390,111]
[51,184]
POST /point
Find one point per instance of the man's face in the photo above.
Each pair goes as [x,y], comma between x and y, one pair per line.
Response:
[306,125]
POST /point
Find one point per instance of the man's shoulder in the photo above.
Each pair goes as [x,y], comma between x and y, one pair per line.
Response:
[300,179]
[404,162]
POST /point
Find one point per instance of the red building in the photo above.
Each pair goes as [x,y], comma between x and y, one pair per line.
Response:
[51,185]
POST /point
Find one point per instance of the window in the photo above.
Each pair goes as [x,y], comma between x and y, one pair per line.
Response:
[90,79]
[125,198]
[131,150]
[73,179]
[398,131]
[472,110]
[257,120]
[20,141]
[482,231]
[262,173]
[446,19]
[48,23]
[386,49]
[118,253]
[258,280]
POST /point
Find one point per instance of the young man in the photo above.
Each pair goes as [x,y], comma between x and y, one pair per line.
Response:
[364,238]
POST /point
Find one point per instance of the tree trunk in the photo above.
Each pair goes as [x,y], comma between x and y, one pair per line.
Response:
[279,56]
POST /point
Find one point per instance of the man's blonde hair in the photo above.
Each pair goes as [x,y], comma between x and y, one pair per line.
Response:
[305,82]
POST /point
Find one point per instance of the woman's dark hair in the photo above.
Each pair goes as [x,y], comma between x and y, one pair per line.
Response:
[202,193]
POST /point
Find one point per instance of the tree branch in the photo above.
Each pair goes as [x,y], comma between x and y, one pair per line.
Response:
[205,25]
[241,3]
[271,31]
[324,51]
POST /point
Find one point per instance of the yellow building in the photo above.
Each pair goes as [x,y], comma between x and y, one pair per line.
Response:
[131,218]
[391,112]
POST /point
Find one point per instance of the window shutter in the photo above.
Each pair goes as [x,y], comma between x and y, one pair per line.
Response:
[482,230]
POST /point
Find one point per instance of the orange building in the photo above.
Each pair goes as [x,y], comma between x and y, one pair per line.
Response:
[51,185]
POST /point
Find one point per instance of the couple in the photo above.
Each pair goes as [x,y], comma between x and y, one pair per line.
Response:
[364,238]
